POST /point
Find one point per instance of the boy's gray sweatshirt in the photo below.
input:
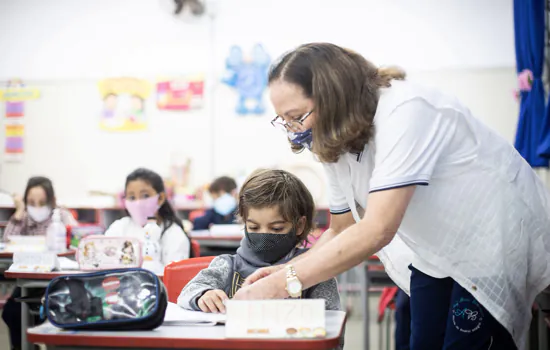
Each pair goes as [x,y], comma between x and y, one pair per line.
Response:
[228,272]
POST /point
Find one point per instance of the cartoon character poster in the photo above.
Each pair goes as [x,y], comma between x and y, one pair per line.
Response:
[248,75]
[180,94]
[124,104]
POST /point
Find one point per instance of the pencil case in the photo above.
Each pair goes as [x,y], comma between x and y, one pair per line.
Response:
[99,252]
[129,299]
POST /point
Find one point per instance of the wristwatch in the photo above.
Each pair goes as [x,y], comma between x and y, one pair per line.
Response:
[293,284]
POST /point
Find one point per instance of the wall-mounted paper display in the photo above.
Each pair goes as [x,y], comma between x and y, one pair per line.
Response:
[124,104]
[248,75]
[180,94]
[14,132]
[15,92]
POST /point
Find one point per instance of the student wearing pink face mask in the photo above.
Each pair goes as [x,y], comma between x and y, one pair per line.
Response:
[145,197]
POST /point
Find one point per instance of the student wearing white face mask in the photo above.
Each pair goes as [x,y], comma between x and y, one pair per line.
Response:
[223,211]
[33,211]
[33,215]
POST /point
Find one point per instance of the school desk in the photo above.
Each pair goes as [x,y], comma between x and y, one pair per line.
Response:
[180,337]
[216,245]
[28,281]
[33,280]
[230,242]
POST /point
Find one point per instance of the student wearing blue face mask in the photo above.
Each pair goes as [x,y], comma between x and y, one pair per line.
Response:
[222,190]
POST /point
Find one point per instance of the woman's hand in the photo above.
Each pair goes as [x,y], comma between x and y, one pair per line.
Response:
[272,287]
[19,206]
[213,301]
[261,273]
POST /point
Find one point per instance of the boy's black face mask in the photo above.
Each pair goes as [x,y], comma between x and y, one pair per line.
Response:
[271,247]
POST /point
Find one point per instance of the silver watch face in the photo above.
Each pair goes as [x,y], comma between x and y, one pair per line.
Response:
[294,287]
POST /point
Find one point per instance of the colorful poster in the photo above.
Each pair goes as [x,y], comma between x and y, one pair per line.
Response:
[14,132]
[16,91]
[180,94]
[124,104]
[15,94]
[15,109]
[248,75]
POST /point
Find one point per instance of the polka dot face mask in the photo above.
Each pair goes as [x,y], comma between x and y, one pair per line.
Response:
[271,247]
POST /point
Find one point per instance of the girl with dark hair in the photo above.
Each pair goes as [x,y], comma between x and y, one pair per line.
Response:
[33,215]
[145,196]
[33,211]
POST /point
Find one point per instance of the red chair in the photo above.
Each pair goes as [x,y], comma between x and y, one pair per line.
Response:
[178,273]
[196,248]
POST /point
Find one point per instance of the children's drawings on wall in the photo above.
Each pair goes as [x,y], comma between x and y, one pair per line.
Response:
[124,104]
[248,75]
[15,94]
[14,132]
[180,94]
[15,109]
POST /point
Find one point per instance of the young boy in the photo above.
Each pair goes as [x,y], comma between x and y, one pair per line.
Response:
[222,191]
[277,210]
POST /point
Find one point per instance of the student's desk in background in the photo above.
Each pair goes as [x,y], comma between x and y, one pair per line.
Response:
[216,245]
[6,258]
[180,337]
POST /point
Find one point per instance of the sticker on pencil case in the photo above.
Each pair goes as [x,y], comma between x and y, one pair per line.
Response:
[100,252]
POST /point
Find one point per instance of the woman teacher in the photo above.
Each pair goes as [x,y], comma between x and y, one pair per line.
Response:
[459,219]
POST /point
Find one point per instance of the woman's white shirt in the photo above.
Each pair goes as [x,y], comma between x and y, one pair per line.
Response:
[174,242]
[479,214]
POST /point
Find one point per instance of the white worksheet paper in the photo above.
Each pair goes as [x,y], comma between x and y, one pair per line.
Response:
[178,316]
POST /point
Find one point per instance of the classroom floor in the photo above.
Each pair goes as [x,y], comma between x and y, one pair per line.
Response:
[354,329]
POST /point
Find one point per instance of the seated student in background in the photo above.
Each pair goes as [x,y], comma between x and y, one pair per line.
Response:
[33,211]
[223,211]
[278,211]
[33,215]
[145,197]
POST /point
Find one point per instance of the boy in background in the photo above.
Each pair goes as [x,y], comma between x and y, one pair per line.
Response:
[223,212]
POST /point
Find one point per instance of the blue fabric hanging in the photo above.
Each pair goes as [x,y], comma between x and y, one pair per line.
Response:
[533,121]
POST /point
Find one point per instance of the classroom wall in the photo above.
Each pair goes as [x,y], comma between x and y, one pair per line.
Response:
[64,47]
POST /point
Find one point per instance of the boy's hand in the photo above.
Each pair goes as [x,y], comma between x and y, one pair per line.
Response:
[212,301]
[261,273]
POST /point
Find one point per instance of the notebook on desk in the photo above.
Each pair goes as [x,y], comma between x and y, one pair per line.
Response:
[177,316]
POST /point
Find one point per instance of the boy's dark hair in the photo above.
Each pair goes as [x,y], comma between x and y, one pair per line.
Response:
[223,184]
[267,188]
[166,211]
[47,186]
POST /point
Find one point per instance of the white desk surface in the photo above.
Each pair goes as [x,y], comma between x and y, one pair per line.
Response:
[179,337]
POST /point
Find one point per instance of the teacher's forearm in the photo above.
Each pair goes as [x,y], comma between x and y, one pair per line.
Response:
[327,236]
[346,250]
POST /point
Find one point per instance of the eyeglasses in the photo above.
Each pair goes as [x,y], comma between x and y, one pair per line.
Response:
[295,125]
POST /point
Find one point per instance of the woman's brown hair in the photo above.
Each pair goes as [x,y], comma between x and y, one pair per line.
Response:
[345,89]
[268,188]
